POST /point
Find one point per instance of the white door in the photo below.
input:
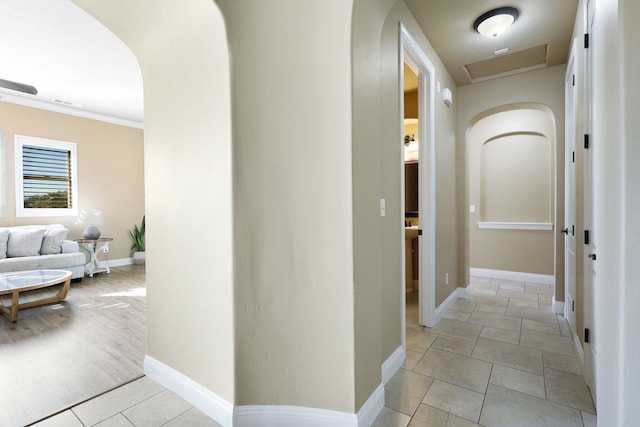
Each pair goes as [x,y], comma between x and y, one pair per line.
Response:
[590,246]
[413,55]
[570,193]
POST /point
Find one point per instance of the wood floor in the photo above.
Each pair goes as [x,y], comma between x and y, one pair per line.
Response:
[61,354]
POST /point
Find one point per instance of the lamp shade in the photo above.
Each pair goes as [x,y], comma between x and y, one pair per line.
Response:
[90,216]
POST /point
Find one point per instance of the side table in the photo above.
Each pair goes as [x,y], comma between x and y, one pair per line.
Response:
[91,247]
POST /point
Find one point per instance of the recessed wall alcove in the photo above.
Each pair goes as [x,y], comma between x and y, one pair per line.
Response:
[512,189]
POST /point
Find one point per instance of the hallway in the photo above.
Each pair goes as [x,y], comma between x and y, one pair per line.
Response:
[499,358]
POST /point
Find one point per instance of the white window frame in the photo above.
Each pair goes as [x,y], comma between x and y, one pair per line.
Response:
[3,177]
[21,211]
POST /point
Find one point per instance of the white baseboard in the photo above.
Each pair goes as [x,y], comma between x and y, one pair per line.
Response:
[214,406]
[447,303]
[371,408]
[227,415]
[290,416]
[120,262]
[579,349]
[392,364]
[514,275]
[557,306]
[296,416]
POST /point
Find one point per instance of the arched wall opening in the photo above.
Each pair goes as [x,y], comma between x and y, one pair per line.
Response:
[511,181]
[188,184]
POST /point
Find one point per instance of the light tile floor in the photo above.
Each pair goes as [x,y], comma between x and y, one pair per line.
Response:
[499,358]
[142,402]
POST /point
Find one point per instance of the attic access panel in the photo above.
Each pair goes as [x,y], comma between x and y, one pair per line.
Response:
[512,63]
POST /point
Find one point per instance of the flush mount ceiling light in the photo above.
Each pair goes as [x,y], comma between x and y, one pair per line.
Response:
[496,21]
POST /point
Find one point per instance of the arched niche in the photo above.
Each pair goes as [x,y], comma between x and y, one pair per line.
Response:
[512,189]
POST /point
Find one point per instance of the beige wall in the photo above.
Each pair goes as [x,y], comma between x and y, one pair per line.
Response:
[546,87]
[411,103]
[110,170]
[447,257]
[511,179]
[293,239]
[183,54]
[313,305]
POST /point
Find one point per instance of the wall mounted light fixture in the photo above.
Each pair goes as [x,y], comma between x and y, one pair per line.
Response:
[447,97]
[496,21]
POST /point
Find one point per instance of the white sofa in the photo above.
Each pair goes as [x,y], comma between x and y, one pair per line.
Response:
[35,247]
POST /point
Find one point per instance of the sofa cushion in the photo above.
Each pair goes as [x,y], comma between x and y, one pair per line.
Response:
[4,238]
[24,242]
[52,241]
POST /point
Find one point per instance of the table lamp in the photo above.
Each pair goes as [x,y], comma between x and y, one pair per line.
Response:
[91,217]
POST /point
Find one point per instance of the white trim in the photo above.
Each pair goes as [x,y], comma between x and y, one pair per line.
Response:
[576,341]
[371,408]
[119,262]
[295,416]
[11,99]
[411,53]
[3,177]
[205,400]
[223,412]
[393,364]
[540,226]
[514,275]
[557,306]
[290,416]
[71,147]
[447,303]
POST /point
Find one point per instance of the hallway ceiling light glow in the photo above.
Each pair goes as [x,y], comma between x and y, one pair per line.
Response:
[496,21]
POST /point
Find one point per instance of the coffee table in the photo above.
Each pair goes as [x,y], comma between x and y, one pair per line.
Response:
[22,281]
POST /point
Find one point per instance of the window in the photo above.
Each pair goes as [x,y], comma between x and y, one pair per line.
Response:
[46,177]
[3,178]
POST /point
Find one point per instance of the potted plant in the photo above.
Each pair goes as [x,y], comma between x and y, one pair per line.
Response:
[137,237]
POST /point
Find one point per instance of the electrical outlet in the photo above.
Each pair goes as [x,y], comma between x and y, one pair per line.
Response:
[446,279]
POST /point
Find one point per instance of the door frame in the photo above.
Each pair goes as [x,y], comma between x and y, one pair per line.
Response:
[412,54]
[570,194]
[588,206]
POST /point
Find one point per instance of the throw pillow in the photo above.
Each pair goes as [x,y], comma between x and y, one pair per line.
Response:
[24,242]
[4,237]
[52,242]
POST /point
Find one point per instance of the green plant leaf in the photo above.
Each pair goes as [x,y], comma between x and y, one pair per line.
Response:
[137,236]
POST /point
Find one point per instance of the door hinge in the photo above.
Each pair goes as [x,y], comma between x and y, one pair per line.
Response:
[419,231]
[586,335]
[573,305]
[574,80]
[586,140]
[573,156]
[573,230]
[587,237]
[586,41]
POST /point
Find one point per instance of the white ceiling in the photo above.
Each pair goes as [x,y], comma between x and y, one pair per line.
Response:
[67,55]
